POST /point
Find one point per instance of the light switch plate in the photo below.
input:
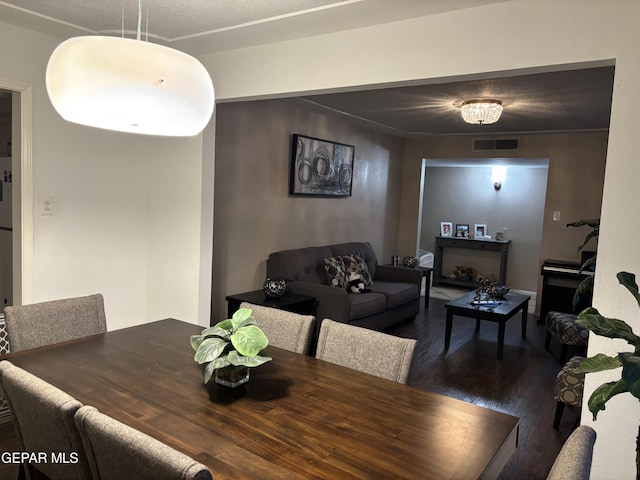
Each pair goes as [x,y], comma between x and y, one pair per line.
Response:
[46,205]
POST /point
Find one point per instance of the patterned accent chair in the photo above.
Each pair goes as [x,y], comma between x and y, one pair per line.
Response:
[569,388]
[563,327]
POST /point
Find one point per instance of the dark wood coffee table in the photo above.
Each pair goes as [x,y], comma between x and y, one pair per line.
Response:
[461,306]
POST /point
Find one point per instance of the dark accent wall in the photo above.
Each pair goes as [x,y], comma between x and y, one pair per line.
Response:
[253,213]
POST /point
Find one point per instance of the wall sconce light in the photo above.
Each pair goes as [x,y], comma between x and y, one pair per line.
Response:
[498,175]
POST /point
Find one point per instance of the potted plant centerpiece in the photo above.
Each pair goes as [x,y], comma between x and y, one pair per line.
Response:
[229,348]
[629,361]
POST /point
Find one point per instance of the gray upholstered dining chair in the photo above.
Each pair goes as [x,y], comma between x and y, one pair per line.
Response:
[365,350]
[116,451]
[287,330]
[574,460]
[43,417]
[46,323]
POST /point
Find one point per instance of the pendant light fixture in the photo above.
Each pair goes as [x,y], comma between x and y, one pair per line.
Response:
[481,112]
[130,86]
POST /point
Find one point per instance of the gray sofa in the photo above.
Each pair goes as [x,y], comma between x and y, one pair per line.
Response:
[394,296]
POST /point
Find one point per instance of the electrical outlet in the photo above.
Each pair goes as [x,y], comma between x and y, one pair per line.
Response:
[46,205]
[556,215]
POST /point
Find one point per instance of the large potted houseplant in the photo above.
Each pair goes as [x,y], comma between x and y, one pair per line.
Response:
[585,288]
[629,361]
[228,349]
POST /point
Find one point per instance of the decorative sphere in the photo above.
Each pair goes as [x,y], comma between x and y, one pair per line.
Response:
[274,287]
[410,261]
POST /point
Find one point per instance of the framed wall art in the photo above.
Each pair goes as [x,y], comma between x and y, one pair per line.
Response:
[480,230]
[446,228]
[462,230]
[320,168]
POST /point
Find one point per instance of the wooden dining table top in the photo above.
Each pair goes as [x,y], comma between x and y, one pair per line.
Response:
[297,417]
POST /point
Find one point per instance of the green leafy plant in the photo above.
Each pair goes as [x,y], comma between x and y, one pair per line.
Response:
[235,341]
[629,361]
[586,286]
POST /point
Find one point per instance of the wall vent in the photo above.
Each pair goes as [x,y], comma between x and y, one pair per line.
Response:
[492,144]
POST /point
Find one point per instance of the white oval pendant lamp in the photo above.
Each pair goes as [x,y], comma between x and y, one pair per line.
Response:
[129,86]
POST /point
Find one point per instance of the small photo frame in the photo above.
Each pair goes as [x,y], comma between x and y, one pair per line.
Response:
[480,230]
[446,229]
[462,230]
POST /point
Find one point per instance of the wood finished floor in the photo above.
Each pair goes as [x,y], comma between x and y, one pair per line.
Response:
[520,385]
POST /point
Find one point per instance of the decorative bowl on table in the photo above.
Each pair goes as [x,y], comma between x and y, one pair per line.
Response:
[410,261]
[274,288]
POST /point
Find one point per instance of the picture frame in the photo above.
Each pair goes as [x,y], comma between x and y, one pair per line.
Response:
[446,229]
[320,168]
[480,230]
[462,230]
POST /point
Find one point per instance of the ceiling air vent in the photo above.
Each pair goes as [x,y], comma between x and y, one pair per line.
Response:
[502,144]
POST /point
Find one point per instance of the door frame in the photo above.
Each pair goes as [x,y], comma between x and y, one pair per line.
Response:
[22,167]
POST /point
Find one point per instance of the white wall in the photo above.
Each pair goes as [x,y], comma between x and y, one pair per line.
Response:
[127,208]
[529,35]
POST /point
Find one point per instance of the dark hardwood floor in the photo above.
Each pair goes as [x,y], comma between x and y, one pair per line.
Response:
[520,385]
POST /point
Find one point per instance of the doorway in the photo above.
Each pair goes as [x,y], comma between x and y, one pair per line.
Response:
[18,182]
[464,192]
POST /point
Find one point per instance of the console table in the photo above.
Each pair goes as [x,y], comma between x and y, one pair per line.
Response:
[499,246]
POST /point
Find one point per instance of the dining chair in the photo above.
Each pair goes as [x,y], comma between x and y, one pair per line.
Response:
[43,418]
[116,451]
[365,350]
[287,330]
[46,323]
[574,460]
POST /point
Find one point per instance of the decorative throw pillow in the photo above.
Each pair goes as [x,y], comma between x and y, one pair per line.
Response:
[335,272]
[355,263]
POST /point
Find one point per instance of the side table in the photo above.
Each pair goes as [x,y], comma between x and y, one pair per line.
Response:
[291,302]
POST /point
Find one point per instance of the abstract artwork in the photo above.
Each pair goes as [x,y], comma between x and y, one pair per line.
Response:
[320,167]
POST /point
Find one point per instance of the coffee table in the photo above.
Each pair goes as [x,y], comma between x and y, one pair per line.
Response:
[500,313]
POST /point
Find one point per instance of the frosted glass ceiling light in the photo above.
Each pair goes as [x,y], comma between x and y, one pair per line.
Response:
[129,86]
[481,112]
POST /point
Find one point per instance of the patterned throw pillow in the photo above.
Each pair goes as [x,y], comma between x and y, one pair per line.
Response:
[355,263]
[335,272]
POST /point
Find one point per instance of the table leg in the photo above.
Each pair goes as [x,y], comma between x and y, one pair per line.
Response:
[447,330]
[477,324]
[427,289]
[501,338]
[525,314]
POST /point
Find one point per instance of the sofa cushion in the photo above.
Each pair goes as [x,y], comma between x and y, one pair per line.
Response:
[362,305]
[335,272]
[357,264]
[396,293]
[364,249]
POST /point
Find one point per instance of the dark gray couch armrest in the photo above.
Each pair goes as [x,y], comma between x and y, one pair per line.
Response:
[388,273]
[333,303]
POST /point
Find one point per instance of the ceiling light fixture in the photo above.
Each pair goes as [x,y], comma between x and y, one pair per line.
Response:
[130,86]
[481,112]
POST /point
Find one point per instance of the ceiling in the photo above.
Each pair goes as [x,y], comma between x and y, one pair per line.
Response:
[568,99]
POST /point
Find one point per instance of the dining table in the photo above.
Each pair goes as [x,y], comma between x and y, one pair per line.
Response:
[297,418]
